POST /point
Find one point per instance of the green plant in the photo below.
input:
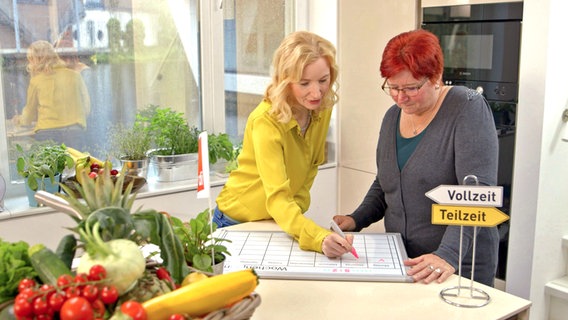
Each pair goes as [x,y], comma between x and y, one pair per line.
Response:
[42,160]
[130,143]
[219,147]
[201,248]
[170,132]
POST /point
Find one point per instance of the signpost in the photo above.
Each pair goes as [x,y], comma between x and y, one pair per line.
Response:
[467,205]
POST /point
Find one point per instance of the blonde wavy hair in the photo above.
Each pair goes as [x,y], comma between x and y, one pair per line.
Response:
[42,58]
[296,51]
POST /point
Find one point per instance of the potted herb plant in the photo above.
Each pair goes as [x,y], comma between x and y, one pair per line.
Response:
[174,143]
[131,146]
[202,250]
[42,166]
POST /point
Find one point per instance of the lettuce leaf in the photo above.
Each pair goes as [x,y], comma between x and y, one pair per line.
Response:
[15,265]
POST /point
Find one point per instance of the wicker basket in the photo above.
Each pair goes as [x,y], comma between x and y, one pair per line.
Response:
[241,310]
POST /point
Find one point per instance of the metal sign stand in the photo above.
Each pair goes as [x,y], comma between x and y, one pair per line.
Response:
[453,295]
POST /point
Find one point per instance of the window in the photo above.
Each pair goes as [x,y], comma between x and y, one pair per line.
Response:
[130,54]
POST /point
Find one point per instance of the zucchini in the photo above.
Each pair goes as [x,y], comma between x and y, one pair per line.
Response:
[203,296]
[66,249]
[47,264]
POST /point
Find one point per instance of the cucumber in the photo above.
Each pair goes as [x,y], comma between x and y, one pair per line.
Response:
[47,264]
[66,249]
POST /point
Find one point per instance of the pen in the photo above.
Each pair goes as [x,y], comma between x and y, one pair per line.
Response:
[335,228]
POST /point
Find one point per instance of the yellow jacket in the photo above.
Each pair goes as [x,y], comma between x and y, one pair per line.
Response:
[56,100]
[277,167]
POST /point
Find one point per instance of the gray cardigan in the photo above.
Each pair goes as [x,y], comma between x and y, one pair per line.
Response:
[461,140]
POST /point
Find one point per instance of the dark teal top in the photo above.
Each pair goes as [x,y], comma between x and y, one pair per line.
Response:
[405,146]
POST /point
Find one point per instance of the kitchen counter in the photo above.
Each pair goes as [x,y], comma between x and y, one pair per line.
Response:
[316,299]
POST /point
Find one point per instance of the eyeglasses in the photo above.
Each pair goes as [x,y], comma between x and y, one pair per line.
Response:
[409,91]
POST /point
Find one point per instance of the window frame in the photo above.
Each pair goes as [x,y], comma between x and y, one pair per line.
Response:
[212,84]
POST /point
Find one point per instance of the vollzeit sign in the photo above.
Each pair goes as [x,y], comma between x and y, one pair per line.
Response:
[490,196]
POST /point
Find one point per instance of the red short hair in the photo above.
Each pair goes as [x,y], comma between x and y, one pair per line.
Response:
[417,51]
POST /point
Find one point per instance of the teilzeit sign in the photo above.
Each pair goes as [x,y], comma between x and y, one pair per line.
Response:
[467,216]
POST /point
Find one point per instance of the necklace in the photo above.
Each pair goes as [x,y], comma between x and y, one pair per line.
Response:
[305,127]
[416,130]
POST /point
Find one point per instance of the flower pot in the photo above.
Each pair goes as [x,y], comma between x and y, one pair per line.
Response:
[174,167]
[135,167]
[49,187]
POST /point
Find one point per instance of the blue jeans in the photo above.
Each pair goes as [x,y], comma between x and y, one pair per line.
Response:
[222,220]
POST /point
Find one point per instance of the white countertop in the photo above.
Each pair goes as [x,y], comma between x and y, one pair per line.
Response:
[315,299]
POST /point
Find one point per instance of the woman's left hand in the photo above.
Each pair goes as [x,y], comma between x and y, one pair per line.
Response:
[428,268]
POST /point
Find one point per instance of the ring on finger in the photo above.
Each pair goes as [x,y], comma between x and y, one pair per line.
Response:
[438,270]
[431,267]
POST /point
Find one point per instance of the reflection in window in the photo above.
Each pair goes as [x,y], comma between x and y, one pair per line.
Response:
[130,54]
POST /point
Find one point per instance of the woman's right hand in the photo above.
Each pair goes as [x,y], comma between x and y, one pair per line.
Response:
[345,223]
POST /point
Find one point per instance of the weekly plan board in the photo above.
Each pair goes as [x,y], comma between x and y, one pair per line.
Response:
[277,255]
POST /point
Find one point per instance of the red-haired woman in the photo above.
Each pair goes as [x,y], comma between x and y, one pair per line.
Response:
[433,135]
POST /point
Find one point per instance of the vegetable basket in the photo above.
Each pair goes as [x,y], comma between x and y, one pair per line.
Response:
[241,310]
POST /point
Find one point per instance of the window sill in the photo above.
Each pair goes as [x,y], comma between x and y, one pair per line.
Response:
[17,207]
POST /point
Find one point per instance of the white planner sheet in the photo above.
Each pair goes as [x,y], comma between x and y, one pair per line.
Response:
[277,255]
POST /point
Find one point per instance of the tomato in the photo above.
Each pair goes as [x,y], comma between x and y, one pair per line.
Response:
[97,272]
[55,301]
[40,306]
[109,294]
[176,317]
[76,308]
[134,310]
[72,292]
[98,308]
[23,308]
[90,292]
[25,283]
[28,293]
[81,279]
[65,280]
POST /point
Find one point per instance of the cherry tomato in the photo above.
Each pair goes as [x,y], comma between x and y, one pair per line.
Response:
[81,279]
[176,316]
[76,308]
[65,280]
[23,308]
[28,293]
[90,292]
[97,272]
[133,309]
[113,172]
[72,292]
[45,316]
[40,306]
[25,283]
[55,301]
[109,294]
[95,166]
[98,308]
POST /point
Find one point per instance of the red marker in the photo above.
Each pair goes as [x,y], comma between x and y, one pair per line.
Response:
[337,230]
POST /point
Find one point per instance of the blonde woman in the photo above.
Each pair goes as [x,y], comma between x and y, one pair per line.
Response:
[283,145]
[57,98]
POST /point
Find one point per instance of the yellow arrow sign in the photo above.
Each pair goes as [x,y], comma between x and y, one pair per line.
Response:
[467,216]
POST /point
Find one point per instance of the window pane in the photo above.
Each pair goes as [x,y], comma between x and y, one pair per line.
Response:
[252,32]
[129,54]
